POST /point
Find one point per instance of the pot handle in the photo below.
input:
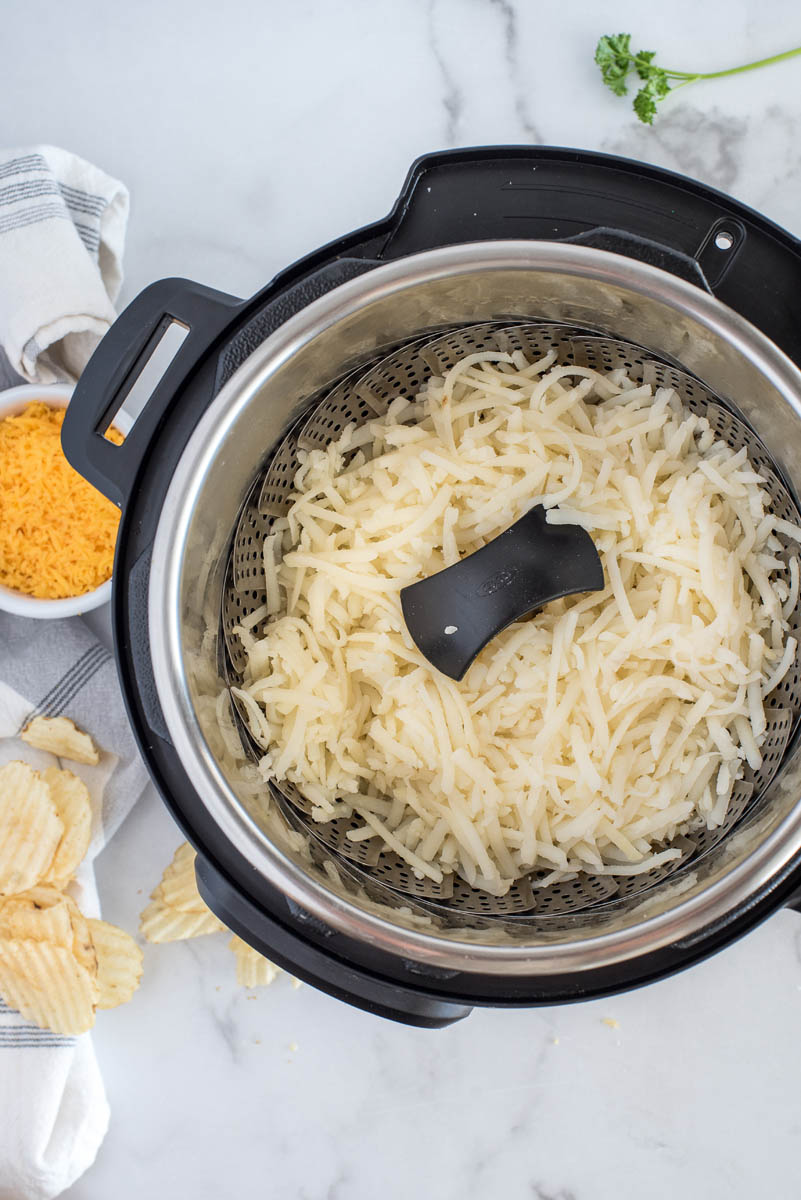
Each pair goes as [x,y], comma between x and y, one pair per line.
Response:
[302,957]
[655,254]
[117,364]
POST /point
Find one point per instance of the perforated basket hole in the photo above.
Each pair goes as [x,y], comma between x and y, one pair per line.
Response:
[779,726]
[537,340]
[632,885]
[354,873]
[332,833]
[519,899]
[248,552]
[443,353]
[742,798]
[788,692]
[342,407]
[399,373]
[237,604]
[335,835]
[571,895]
[278,478]
[296,798]
[398,875]
[240,719]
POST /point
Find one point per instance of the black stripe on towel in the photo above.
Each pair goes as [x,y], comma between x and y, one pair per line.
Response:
[89,201]
[12,193]
[83,209]
[22,166]
[53,1042]
[78,668]
[27,1033]
[81,683]
[90,237]
[55,210]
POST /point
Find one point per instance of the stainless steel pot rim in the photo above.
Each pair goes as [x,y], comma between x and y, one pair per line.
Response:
[725,895]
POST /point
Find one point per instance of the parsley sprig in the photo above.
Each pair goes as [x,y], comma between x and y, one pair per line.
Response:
[617,60]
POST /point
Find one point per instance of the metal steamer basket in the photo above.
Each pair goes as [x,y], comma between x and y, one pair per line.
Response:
[611,264]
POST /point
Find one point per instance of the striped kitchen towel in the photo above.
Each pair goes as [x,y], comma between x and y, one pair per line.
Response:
[62,233]
[53,1109]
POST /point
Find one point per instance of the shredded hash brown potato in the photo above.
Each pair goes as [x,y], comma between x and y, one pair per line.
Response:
[578,739]
[57,532]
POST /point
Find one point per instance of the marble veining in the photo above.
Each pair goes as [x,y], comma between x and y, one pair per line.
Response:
[452,100]
[249,134]
[706,145]
[517,78]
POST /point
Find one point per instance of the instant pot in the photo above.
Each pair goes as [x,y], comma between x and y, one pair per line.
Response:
[669,272]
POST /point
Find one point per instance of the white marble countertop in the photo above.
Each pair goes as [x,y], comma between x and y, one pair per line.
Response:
[249,133]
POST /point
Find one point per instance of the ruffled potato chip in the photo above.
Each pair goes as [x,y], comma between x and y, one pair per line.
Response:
[252,968]
[177,910]
[41,913]
[82,945]
[178,887]
[47,985]
[62,737]
[119,963]
[46,914]
[30,828]
[160,923]
[74,806]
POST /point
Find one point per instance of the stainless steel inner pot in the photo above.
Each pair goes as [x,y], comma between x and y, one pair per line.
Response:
[309,353]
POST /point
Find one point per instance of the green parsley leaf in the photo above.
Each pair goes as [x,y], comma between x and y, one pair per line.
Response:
[642,63]
[613,45]
[613,56]
[645,105]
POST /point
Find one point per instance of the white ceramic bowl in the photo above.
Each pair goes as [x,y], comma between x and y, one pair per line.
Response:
[12,401]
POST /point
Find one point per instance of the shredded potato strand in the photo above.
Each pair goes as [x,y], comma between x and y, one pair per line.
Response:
[579,739]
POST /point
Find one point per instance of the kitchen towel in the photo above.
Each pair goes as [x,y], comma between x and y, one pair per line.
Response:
[62,233]
[53,1109]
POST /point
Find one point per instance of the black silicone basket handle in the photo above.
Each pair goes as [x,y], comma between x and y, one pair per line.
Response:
[301,957]
[115,366]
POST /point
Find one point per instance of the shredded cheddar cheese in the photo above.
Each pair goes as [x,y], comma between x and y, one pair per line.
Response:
[57,532]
